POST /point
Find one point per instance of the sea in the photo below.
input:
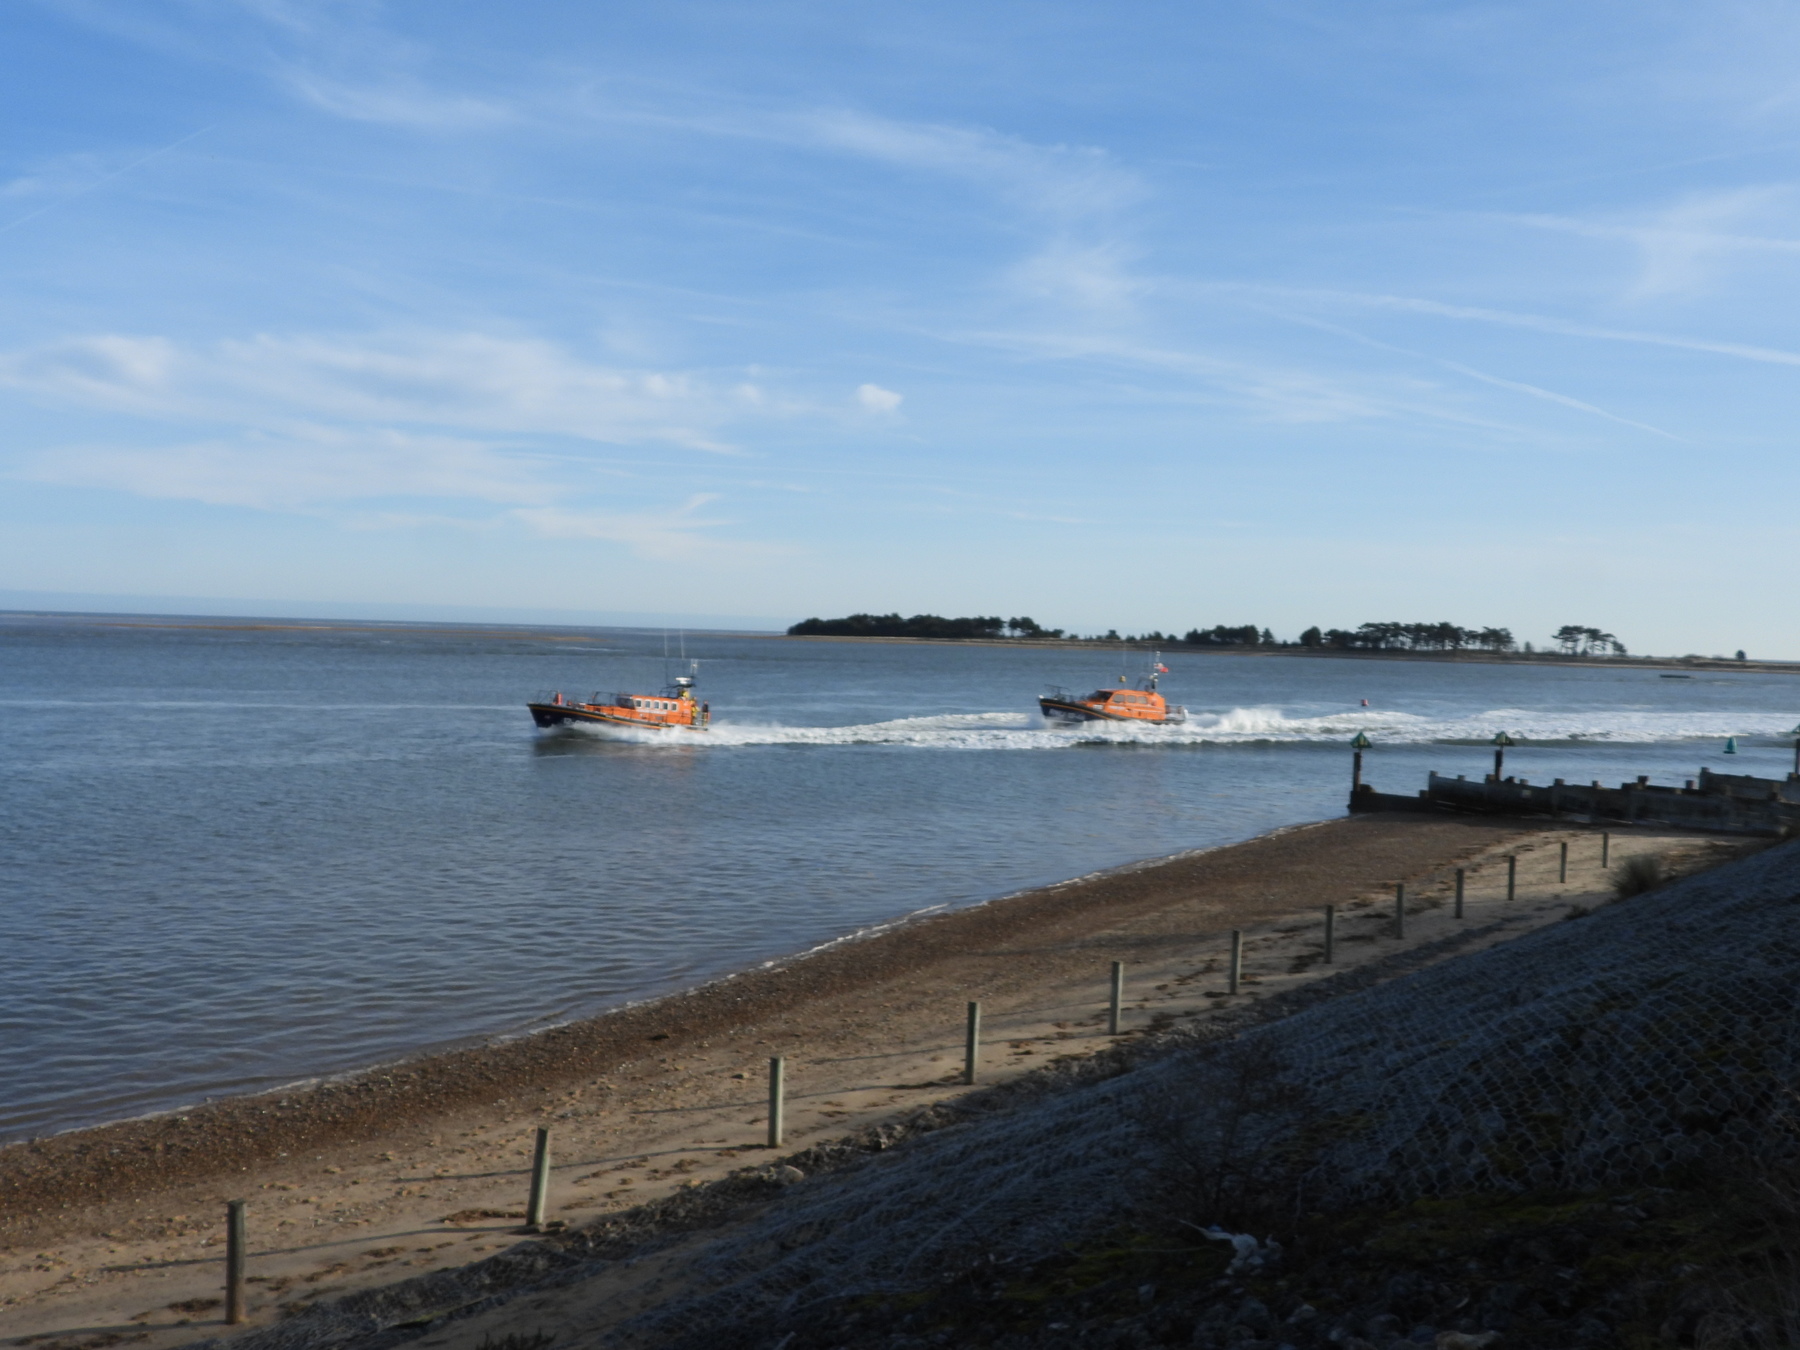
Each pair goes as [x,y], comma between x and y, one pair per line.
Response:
[237,855]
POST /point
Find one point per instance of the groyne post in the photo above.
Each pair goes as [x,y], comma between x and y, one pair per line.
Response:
[1399,909]
[1459,892]
[1118,997]
[1236,972]
[234,1262]
[777,1089]
[1562,865]
[1330,933]
[540,1180]
[972,1043]
[1512,876]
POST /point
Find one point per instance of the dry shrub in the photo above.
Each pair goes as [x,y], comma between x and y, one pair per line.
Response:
[1636,875]
[1221,1136]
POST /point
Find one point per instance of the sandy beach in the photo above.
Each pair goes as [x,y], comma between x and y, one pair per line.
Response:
[115,1234]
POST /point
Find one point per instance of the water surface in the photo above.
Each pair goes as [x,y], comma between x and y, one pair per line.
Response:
[234,857]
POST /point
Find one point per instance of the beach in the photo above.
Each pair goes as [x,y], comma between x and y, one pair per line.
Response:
[353,1182]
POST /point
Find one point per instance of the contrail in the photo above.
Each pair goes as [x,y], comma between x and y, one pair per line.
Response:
[102,182]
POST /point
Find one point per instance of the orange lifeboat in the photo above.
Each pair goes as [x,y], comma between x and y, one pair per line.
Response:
[674,709]
[1140,704]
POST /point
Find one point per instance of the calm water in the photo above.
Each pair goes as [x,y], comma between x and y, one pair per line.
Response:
[230,858]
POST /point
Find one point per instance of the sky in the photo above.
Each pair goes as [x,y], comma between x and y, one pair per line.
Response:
[1153,315]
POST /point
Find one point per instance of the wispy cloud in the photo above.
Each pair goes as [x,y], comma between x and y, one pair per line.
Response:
[338,58]
[460,381]
[304,469]
[1497,381]
[876,399]
[1683,247]
[675,535]
[1071,203]
[1092,276]
[1267,391]
[1537,322]
[1550,396]
[360,429]
[395,101]
[1069,182]
[70,177]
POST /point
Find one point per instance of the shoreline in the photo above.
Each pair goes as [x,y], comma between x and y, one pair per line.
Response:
[88,1165]
[504,1056]
[116,1229]
[1686,664]
[500,1040]
[576,633]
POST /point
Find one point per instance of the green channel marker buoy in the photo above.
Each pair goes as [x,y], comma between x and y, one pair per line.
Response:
[1731,745]
[1500,743]
[1361,742]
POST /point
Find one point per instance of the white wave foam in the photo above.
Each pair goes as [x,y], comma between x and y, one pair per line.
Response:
[1237,726]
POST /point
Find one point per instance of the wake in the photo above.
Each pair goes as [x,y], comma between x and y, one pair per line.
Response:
[1242,726]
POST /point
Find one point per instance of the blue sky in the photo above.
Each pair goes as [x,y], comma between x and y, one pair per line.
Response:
[1149,315]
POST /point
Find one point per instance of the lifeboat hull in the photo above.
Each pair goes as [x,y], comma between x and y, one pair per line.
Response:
[1074,710]
[1056,710]
[587,714]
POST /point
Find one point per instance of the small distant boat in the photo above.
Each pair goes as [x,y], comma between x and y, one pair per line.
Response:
[1140,704]
[1667,675]
[674,709]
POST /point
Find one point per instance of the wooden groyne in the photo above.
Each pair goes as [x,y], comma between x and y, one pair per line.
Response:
[1724,803]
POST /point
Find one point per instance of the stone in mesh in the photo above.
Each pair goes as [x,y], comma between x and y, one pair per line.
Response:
[1590,1052]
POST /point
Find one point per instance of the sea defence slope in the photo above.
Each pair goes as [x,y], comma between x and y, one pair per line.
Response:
[1597,1051]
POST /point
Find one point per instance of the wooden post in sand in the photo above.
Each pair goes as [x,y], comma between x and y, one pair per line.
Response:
[1512,876]
[1606,848]
[1399,909]
[1562,866]
[540,1180]
[1330,933]
[1118,997]
[972,1043]
[1459,892]
[777,1067]
[234,1262]
[1237,959]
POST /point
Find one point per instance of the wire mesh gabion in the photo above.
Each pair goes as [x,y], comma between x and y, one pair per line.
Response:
[1585,1054]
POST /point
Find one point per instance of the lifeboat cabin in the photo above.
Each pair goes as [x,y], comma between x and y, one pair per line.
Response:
[1142,704]
[674,709]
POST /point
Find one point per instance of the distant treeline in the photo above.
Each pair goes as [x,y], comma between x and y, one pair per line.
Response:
[1411,637]
[921,626]
[1573,639]
[1368,637]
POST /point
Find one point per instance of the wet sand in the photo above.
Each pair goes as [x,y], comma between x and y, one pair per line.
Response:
[114,1233]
